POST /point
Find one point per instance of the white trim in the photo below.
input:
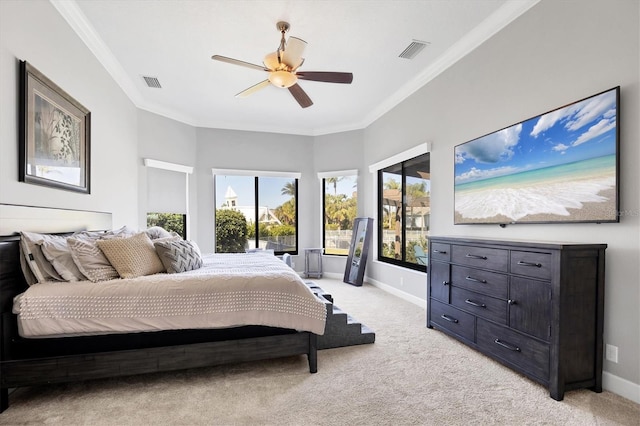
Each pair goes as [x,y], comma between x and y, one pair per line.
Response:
[620,386]
[324,175]
[494,23]
[259,173]
[156,164]
[399,293]
[423,148]
[502,17]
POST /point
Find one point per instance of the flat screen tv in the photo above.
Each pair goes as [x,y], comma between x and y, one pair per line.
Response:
[558,167]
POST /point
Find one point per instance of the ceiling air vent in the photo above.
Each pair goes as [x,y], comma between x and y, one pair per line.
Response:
[152,82]
[413,49]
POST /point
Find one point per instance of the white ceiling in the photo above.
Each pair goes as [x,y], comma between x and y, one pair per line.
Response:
[173,40]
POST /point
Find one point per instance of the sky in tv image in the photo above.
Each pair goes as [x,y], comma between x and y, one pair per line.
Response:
[556,167]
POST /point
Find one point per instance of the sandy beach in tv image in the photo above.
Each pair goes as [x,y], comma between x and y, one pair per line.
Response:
[557,167]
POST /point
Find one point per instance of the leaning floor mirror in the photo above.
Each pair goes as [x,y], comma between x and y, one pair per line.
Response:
[358,251]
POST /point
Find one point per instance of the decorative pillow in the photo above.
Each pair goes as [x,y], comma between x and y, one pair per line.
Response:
[90,260]
[58,253]
[133,256]
[156,232]
[179,255]
[41,268]
[26,269]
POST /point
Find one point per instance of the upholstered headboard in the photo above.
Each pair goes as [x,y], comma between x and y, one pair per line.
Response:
[15,218]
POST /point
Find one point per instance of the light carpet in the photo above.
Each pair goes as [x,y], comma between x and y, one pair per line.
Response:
[411,375]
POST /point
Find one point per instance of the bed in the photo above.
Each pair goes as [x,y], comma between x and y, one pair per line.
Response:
[36,351]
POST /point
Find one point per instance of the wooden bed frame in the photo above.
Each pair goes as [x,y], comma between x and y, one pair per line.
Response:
[28,362]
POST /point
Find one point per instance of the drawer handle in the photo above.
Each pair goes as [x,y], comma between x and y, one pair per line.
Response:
[476,280]
[445,283]
[507,345]
[448,318]
[475,256]
[537,265]
[439,251]
[472,303]
[511,302]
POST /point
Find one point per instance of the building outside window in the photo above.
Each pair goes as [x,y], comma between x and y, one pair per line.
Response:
[340,207]
[267,205]
[403,212]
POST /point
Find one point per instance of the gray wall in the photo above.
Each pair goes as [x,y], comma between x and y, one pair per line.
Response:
[556,53]
[240,150]
[167,140]
[56,51]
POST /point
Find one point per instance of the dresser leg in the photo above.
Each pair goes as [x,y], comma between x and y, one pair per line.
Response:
[556,393]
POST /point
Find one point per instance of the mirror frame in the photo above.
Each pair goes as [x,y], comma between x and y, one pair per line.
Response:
[356,262]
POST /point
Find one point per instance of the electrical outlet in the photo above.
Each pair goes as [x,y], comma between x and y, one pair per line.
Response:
[611,353]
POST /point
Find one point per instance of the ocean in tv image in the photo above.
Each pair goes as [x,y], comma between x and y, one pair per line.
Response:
[557,167]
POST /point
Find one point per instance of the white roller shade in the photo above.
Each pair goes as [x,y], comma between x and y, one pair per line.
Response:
[167,187]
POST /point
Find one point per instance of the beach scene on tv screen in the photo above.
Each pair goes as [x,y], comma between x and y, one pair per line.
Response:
[556,167]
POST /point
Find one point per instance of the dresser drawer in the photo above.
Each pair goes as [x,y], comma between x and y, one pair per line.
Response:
[490,283]
[450,318]
[441,251]
[531,264]
[481,257]
[480,304]
[528,354]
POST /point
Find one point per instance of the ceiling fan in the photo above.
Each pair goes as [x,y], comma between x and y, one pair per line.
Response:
[282,66]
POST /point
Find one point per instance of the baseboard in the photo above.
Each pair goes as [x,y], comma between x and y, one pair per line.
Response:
[610,382]
[399,293]
[620,386]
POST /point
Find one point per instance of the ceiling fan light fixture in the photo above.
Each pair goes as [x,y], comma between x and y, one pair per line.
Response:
[282,79]
[271,61]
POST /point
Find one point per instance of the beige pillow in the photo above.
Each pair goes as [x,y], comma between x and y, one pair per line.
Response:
[133,256]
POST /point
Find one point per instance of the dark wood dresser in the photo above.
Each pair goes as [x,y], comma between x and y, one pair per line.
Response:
[536,307]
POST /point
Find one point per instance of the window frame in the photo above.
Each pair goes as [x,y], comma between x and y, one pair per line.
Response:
[377,170]
[257,175]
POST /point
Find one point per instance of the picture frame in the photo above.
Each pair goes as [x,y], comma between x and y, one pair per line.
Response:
[54,135]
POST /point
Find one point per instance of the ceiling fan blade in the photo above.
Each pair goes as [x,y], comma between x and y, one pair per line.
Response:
[293,52]
[326,76]
[301,96]
[253,89]
[238,62]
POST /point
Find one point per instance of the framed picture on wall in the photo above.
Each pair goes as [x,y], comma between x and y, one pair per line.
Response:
[55,134]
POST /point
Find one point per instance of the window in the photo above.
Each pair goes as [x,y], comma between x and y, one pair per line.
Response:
[175,222]
[403,212]
[340,207]
[267,207]
[168,195]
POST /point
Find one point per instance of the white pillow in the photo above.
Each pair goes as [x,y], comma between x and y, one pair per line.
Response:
[41,268]
[133,256]
[90,260]
[58,253]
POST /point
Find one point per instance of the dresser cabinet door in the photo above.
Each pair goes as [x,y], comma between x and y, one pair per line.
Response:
[440,281]
[529,307]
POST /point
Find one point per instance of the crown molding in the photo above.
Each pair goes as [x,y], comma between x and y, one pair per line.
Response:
[78,21]
[495,22]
